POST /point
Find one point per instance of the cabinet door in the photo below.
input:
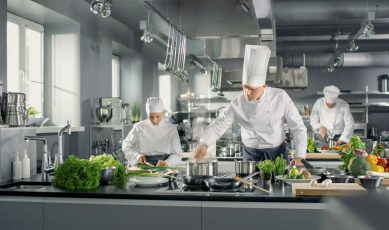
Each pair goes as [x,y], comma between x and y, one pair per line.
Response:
[21,213]
[260,215]
[120,214]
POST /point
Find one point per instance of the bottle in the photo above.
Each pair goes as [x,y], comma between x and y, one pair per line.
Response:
[17,167]
[25,166]
[379,149]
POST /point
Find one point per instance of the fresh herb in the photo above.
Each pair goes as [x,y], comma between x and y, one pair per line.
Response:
[311,147]
[266,166]
[120,176]
[149,167]
[77,174]
[32,111]
[140,174]
[104,160]
[280,165]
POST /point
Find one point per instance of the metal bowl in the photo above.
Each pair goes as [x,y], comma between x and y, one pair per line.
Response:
[370,182]
[104,113]
[106,174]
[341,178]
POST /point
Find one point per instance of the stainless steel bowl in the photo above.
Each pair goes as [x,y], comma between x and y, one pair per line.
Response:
[107,174]
[370,182]
[104,113]
[206,168]
[341,178]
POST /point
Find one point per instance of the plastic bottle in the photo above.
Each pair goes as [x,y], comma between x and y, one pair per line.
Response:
[17,167]
[25,166]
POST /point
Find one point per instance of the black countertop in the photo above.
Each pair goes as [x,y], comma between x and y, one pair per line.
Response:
[281,193]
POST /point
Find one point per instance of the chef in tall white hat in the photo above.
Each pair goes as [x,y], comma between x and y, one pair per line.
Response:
[154,140]
[331,115]
[261,112]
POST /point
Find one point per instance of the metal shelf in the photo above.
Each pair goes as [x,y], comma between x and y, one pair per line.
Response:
[114,127]
[205,99]
[358,93]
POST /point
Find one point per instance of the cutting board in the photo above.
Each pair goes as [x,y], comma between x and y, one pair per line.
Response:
[335,189]
[324,156]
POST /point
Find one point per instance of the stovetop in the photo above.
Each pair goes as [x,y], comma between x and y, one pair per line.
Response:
[203,189]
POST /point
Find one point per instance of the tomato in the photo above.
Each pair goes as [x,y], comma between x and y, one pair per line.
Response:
[371,159]
[377,168]
[386,169]
[382,161]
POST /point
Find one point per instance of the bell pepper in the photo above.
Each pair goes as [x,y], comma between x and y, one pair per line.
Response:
[382,161]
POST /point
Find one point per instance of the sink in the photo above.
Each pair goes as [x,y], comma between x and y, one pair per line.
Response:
[26,185]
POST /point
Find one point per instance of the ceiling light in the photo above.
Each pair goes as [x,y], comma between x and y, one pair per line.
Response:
[368,29]
[101,7]
[352,47]
[147,37]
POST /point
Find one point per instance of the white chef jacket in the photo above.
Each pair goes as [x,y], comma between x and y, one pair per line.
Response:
[261,121]
[338,118]
[148,139]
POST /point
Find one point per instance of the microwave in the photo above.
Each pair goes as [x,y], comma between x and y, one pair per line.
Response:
[360,130]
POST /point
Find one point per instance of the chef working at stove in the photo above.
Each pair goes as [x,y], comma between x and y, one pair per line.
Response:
[261,112]
[331,115]
[154,140]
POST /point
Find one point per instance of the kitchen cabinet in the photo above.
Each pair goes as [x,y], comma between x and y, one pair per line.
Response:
[21,213]
[120,214]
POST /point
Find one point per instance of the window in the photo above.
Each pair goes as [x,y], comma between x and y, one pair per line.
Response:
[115,76]
[165,90]
[25,60]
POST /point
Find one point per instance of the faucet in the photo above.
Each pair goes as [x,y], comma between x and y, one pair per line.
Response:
[60,142]
[46,166]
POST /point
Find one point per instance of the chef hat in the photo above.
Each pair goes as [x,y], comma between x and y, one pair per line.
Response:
[331,92]
[256,60]
[154,105]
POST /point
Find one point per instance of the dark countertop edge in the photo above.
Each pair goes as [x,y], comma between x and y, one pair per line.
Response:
[186,197]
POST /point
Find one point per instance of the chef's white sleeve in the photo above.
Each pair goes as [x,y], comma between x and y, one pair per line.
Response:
[176,154]
[314,119]
[130,146]
[296,125]
[218,127]
[348,125]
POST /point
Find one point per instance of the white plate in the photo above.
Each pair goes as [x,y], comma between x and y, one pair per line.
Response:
[149,181]
[290,181]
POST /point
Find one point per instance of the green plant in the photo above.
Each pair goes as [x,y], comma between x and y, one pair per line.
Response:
[266,166]
[311,147]
[32,111]
[280,165]
[120,176]
[135,112]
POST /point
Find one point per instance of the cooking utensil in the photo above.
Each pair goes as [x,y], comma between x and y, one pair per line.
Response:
[244,168]
[194,180]
[206,168]
[106,174]
[341,178]
[251,184]
[307,164]
[370,182]
[215,183]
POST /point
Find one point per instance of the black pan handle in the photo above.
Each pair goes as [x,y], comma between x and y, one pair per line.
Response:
[307,164]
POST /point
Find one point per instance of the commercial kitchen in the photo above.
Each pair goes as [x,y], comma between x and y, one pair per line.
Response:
[75,76]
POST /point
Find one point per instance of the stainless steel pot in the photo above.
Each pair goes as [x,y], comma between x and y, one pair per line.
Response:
[244,168]
[209,168]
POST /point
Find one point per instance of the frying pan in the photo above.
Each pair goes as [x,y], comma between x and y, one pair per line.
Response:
[312,169]
[195,180]
[218,183]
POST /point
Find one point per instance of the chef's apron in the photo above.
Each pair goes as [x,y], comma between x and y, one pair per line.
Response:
[153,159]
[253,154]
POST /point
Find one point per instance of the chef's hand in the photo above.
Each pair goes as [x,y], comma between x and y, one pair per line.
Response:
[141,159]
[161,163]
[323,132]
[338,143]
[296,161]
[200,151]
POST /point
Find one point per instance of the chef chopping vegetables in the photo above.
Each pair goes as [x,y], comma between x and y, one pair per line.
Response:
[261,112]
[331,116]
[154,140]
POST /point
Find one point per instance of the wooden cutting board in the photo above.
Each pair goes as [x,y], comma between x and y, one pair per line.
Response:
[324,156]
[335,189]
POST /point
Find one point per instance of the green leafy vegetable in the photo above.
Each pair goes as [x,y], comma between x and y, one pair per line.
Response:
[266,166]
[149,167]
[104,160]
[120,176]
[311,147]
[347,153]
[358,166]
[77,174]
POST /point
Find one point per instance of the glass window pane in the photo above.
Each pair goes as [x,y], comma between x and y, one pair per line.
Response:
[115,76]
[34,69]
[12,57]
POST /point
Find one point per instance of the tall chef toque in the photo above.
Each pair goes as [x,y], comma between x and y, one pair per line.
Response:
[256,60]
[154,105]
[331,92]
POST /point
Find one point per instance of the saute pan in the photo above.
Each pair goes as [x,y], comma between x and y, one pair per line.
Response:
[195,180]
[222,183]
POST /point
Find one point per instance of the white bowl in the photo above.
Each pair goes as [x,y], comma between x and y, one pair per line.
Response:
[37,122]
